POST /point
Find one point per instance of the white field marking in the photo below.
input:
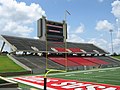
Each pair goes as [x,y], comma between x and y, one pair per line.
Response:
[101,71]
[69,74]
[113,70]
[81,71]
[106,75]
[33,85]
[100,80]
[88,72]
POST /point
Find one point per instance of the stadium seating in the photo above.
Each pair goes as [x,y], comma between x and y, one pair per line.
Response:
[60,49]
[25,44]
[112,62]
[96,60]
[63,61]
[36,63]
[75,50]
[77,58]
[72,50]
[81,61]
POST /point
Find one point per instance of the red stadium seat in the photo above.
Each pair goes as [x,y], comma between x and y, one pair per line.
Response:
[60,49]
[75,49]
[81,61]
[95,60]
[63,61]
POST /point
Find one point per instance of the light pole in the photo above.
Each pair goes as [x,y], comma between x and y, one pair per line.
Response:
[118,27]
[111,40]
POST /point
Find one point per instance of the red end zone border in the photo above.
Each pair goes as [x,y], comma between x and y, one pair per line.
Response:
[62,84]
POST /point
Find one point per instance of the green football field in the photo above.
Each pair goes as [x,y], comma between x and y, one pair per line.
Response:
[7,65]
[102,76]
[118,57]
[106,76]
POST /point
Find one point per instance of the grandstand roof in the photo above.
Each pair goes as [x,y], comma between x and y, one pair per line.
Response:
[35,45]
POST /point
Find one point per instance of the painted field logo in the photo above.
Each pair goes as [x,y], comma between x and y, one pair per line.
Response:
[61,84]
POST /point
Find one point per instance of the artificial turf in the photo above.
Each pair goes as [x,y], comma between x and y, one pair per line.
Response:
[106,76]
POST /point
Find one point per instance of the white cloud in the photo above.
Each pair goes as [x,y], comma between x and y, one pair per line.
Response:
[80,29]
[118,34]
[73,35]
[104,25]
[68,28]
[75,38]
[16,18]
[116,8]
[100,43]
[116,12]
[36,37]
[116,45]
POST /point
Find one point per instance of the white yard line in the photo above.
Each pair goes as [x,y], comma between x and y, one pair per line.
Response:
[83,71]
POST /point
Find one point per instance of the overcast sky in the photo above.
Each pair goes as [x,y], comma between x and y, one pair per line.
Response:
[90,20]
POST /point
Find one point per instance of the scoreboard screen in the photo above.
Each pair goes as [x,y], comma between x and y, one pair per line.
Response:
[51,30]
[54,31]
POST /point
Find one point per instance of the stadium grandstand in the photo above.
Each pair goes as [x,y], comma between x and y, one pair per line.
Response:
[80,56]
[51,51]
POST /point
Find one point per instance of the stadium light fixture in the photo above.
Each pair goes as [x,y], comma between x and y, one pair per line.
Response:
[111,31]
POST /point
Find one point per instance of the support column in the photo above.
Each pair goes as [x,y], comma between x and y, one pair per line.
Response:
[2,46]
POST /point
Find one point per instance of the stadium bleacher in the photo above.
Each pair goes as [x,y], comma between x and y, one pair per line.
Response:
[37,63]
[75,50]
[25,44]
[113,62]
[58,49]
[96,60]
[63,61]
[81,61]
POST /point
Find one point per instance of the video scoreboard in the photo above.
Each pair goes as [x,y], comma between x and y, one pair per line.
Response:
[51,30]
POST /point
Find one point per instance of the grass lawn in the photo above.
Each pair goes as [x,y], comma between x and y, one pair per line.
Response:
[7,65]
[106,76]
[118,57]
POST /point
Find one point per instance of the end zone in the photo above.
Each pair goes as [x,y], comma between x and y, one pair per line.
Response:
[62,84]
